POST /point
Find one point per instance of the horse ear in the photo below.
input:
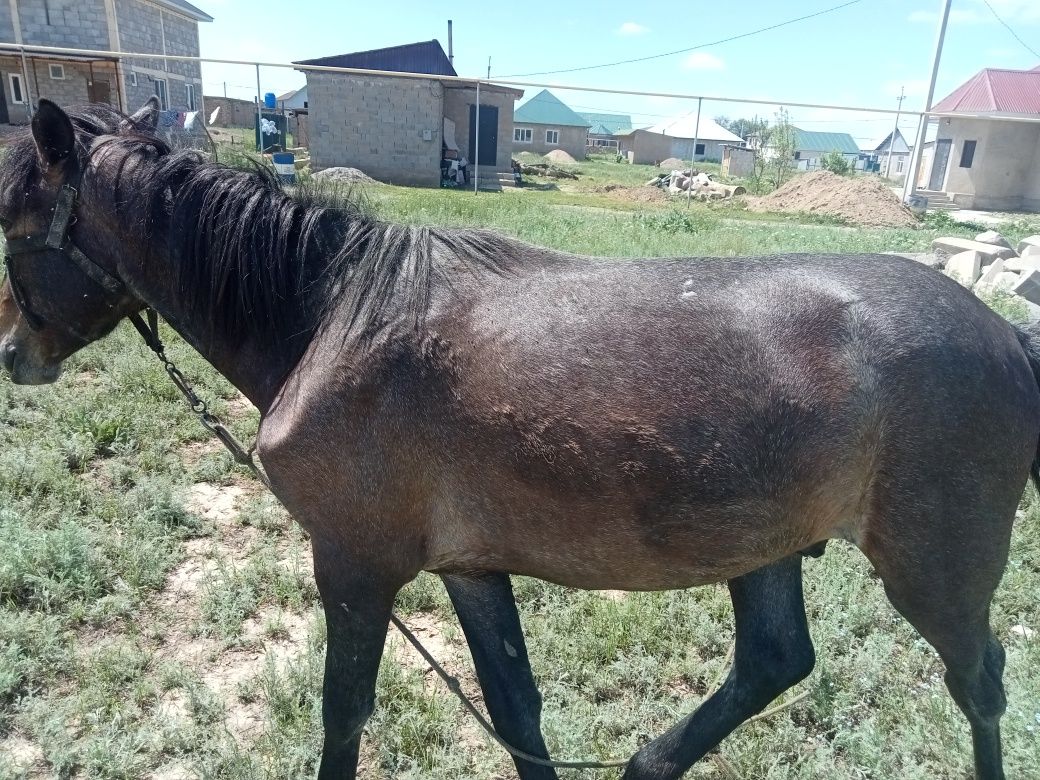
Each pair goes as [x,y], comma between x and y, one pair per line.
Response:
[147,116]
[53,133]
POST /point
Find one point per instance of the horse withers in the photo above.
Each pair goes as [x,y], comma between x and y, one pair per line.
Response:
[462,403]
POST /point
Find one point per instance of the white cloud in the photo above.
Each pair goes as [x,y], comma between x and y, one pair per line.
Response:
[632,28]
[701,60]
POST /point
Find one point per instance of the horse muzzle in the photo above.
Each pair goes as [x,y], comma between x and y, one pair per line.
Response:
[24,370]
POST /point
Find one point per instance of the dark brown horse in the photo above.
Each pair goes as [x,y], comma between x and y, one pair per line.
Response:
[462,403]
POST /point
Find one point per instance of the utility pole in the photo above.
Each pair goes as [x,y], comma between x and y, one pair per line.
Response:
[225,89]
[489,66]
[922,129]
[895,130]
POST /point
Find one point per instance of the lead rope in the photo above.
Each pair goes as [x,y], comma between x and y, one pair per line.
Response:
[247,457]
[150,333]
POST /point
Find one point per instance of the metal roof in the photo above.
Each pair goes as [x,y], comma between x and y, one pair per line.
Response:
[422,57]
[182,7]
[607,124]
[547,109]
[809,141]
[687,126]
[995,90]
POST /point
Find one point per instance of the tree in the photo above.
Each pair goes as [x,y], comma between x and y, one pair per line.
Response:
[835,162]
[743,127]
[780,148]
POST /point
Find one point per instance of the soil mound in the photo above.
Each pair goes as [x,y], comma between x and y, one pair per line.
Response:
[559,156]
[636,194]
[349,175]
[860,200]
[673,164]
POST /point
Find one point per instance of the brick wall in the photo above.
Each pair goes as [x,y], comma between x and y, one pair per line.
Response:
[79,24]
[457,102]
[233,112]
[73,90]
[141,28]
[379,125]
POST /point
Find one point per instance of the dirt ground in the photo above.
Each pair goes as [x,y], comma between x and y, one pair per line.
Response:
[860,200]
[635,194]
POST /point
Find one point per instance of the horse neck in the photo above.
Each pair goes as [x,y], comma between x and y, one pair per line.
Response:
[252,365]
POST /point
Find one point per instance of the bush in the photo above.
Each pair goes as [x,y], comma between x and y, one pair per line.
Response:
[835,162]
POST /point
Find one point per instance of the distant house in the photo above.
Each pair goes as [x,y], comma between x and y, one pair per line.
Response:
[682,132]
[604,129]
[811,147]
[989,163]
[294,100]
[876,157]
[545,123]
[146,26]
[400,129]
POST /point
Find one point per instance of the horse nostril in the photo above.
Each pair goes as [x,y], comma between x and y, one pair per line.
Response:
[7,355]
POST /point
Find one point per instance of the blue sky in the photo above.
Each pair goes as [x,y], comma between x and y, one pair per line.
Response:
[859,55]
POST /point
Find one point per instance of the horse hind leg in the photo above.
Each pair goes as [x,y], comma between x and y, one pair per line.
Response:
[773,652]
[943,586]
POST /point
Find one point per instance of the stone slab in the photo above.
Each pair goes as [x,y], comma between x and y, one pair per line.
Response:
[1028,241]
[1002,281]
[1023,264]
[994,238]
[990,252]
[1028,286]
[991,272]
[965,267]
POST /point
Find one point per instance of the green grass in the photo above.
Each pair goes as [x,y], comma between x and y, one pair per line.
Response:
[108,671]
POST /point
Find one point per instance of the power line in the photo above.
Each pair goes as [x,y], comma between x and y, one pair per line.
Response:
[691,48]
[996,16]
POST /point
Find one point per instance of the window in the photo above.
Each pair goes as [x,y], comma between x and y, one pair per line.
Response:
[899,165]
[160,92]
[133,78]
[699,149]
[57,71]
[968,154]
[798,155]
[190,95]
[522,135]
[17,93]
[552,137]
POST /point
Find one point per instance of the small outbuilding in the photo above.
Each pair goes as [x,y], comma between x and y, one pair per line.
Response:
[545,123]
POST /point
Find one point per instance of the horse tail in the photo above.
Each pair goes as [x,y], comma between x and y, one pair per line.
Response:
[1030,341]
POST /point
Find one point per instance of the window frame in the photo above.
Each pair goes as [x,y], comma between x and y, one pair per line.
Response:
[968,149]
[556,139]
[523,135]
[21,88]
[61,69]
[164,94]
[189,92]
[133,78]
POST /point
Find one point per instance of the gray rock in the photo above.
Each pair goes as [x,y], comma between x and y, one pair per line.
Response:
[930,259]
[965,267]
[1028,286]
[1026,242]
[991,252]
[994,238]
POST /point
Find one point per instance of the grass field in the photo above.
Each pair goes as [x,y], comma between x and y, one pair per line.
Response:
[158,617]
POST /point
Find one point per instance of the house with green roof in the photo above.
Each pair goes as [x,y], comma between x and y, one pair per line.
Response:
[545,123]
[811,147]
[604,129]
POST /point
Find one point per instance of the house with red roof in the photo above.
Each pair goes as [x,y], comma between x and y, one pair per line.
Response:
[986,153]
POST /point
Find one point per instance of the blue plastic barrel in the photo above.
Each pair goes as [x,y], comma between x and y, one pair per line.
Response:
[269,100]
[284,167]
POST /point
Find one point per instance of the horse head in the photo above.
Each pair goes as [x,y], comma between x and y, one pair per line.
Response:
[62,289]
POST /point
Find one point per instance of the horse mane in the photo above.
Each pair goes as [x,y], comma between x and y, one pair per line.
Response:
[258,261]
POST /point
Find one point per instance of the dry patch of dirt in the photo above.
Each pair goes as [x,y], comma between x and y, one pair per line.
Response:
[860,200]
[636,194]
[25,758]
[559,156]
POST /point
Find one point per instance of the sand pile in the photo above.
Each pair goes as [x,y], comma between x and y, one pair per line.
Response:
[348,175]
[860,200]
[560,156]
[673,164]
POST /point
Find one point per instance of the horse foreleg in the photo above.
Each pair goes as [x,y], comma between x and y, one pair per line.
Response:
[357,606]
[773,652]
[487,612]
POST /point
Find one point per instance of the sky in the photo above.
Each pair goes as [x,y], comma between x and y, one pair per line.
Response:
[858,55]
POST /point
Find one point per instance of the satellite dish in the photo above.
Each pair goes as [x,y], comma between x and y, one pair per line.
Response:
[213,116]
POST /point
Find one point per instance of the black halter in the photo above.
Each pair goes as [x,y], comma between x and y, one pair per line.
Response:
[57,239]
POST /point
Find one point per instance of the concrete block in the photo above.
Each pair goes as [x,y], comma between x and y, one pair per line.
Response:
[1002,281]
[1030,250]
[994,238]
[965,267]
[1028,286]
[1028,241]
[991,272]
[1022,264]
[991,252]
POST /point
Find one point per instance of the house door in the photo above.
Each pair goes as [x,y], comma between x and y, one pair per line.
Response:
[939,163]
[99,92]
[4,117]
[488,134]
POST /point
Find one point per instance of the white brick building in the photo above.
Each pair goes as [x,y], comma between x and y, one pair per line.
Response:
[148,26]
